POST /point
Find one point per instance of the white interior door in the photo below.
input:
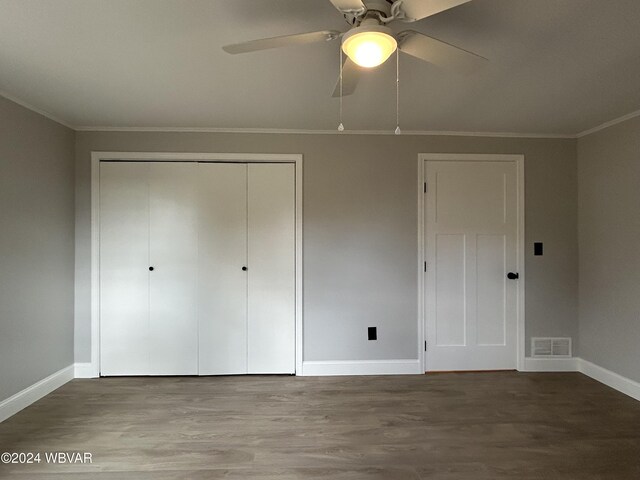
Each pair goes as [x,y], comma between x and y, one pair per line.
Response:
[271,264]
[173,254]
[222,280]
[471,243]
[124,268]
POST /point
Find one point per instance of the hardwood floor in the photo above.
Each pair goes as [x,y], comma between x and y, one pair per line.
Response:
[476,426]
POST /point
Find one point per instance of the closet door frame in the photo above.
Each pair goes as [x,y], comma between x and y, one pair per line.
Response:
[92,369]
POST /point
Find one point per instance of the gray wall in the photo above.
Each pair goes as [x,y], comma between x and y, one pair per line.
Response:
[609,228]
[36,247]
[360,231]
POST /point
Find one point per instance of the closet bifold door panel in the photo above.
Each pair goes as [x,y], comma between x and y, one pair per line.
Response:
[173,254]
[124,268]
[271,268]
[222,282]
[148,268]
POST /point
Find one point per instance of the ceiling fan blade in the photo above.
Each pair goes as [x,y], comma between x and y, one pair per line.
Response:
[419,9]
[284,41]
[348,6]
[439,53]
[350,77]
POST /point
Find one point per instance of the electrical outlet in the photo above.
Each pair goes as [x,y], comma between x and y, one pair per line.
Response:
[372,333]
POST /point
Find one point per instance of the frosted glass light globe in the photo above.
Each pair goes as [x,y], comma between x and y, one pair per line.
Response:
[369,46]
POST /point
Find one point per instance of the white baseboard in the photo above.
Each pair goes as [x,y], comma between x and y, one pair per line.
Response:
[575,364]
[362,367]
[569,364]
[609,378]
[35,392]
[85,370]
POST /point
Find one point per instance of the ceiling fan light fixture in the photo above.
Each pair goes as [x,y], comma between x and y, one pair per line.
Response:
[369,46]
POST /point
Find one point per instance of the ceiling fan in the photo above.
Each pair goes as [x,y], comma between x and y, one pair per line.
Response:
[370,42]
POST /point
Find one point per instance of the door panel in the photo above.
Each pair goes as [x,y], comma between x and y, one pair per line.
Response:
[450,277]
[469,196]
[271,262]
[124,263]
[173,253]
[222,282]
[491,269]
[470,245]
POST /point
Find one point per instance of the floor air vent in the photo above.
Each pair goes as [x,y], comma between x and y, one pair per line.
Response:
[550,347]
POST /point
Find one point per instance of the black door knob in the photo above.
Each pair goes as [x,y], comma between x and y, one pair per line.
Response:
[513,276]
[244,269]
[151,269]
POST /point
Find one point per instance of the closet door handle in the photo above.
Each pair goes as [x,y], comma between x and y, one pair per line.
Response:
[244,269]
[151,269]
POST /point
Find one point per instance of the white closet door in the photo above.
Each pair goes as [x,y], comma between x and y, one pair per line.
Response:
[271,256]
[124,263]
[222,281]
[173,254]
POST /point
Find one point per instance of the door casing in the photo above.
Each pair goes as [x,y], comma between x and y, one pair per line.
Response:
[93,371]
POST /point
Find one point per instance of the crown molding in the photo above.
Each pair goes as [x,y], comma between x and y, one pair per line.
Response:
[28,106]
[608,124]
[286,131]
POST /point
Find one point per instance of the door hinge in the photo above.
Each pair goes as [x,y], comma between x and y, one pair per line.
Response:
[425,187]
[425,345]
[425,266]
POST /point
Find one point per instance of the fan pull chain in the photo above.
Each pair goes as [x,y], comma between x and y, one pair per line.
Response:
[340,125]
[397,130]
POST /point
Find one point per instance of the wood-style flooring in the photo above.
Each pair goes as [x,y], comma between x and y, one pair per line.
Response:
[476,426]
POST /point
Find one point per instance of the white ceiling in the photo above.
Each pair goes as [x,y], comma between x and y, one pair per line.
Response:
[557,66]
